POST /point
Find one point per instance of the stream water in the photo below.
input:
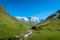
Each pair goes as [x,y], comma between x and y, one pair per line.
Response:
[27,34]
[24,36]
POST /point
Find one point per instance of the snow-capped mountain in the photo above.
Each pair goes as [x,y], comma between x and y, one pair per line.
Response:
[32,19]
[23,18]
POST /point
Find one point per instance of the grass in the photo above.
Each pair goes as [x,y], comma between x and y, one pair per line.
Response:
[9,26]
[47,30]
[45,35]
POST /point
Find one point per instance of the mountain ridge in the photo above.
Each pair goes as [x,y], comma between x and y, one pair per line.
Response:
[48,29]
[27,19]
[55,15]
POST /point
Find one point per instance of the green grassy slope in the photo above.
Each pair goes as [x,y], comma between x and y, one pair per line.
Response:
[49,29]
[28,24]
[9,26]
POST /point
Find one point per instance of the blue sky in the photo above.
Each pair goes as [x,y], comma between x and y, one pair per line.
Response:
[26,8]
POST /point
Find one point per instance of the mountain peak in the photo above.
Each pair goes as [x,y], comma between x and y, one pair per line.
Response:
[55,15]
[58,11]
[32,19]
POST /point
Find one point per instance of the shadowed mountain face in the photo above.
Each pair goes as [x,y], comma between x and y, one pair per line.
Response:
[53,21]
[53,16]
[49,29]
[9,26]
[58,11]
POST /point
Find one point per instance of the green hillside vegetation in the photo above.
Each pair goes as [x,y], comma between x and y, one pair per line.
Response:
[9,26]
[28,24]
[49,29]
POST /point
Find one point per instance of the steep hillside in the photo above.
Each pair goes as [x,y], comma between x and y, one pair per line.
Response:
[49,29]
[9,26]
[53,21]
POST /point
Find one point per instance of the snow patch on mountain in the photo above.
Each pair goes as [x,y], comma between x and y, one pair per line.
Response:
[32,19]
[22,18]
